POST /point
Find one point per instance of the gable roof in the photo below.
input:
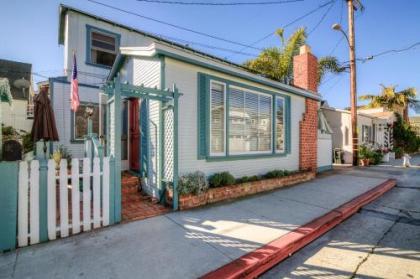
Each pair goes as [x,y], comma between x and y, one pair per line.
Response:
[158,49]
[169,48]
[13,70]
[64,9]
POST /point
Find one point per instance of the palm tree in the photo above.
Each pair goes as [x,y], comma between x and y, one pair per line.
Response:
[277,62]
[392,100]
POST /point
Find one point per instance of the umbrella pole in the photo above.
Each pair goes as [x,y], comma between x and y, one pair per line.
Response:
[45,149]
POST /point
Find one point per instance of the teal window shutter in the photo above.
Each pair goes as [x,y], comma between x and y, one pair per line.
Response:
[202,112]
[288,125]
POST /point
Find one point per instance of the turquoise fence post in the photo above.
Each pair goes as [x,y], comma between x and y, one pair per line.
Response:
[111,190]
[8,205]
[43,200]
[117,149]
[175,140]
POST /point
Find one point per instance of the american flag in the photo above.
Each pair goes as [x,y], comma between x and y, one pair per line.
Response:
[74,95]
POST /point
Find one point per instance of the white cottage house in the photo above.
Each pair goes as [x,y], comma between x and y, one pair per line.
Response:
[224,118]
[374,129]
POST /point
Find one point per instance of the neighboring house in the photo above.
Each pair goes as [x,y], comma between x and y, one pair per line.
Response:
[229,119]
[415,124]
[374,129]
[20,114]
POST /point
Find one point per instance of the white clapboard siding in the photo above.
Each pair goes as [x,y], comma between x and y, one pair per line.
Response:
[34,202]
[23,205]
[64,211]
[52,201]
[75,196]
[86,194]
[105,192]
[96,193]
[96,198]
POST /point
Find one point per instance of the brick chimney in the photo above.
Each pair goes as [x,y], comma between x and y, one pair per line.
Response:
[305,74]
[305,70]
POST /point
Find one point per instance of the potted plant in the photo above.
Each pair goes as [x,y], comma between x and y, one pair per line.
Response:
[364,156]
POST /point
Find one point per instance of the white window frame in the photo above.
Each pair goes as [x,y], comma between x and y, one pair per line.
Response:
[270,151]
[284,124]
[218,154]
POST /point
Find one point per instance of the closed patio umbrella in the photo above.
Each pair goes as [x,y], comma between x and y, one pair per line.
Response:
[44,127]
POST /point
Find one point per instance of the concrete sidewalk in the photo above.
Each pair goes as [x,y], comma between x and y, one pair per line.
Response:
[185,244]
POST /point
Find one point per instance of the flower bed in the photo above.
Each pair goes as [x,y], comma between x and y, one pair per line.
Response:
[214,195]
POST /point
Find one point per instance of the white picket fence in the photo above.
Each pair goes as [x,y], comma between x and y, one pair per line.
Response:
[94,212]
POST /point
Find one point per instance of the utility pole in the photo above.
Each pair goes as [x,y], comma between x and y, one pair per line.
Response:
[353,89]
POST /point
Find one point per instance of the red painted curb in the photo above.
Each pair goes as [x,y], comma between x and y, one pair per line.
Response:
[262,259]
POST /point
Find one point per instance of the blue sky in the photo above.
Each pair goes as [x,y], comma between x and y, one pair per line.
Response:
[29,34]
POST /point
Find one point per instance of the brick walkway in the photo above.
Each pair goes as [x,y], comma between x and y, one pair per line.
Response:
[136,205]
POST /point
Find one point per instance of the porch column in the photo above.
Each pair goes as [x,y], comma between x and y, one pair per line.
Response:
[117,150]
[175,134]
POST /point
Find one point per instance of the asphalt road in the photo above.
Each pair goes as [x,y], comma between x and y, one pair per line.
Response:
[380,241]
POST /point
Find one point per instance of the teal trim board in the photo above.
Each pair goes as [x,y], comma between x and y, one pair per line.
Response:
[324,168]
[203,120]
[8,205]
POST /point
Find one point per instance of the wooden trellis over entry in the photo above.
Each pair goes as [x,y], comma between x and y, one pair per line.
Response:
[168,138]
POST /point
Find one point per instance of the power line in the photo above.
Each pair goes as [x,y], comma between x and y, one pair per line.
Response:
[393,51]
[289,24]
[219,3]
[322,18]
[188,43]
[174,25]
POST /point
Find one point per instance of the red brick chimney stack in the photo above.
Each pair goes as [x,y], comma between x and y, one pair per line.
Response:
[305,70]
[305,75]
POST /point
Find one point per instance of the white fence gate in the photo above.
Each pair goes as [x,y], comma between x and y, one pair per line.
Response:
[71,208]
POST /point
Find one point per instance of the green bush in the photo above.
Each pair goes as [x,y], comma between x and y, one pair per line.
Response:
[398,152]
[365,152]
[192,183]
[8,131]
[275,174]
[27,143]
[404,137]
[243,179]
[376,157]
[221,179]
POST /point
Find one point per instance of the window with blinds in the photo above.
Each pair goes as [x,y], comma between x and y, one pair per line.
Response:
[280,143]
[250,117]
[217,118]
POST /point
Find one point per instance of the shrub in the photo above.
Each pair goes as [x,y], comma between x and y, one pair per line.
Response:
[27,143]
[376,157]
[221,179]
[8,130]
[404,137]
[274,174]
[254,178]
[192,183]
[398,152]
[365,152]
[243,179]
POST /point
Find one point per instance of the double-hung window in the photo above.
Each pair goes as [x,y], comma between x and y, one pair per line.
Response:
[242,121]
